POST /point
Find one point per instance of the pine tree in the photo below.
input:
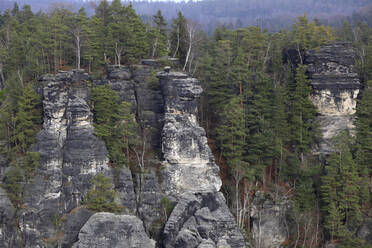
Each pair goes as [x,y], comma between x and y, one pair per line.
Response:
[364,133]
[230,133]
[27,118]
[302,114]
[178,38]
[101,196]
[159,36]
[114,123]
[340,190]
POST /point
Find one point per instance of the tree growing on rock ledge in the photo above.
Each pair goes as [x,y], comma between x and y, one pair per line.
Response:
[101,196]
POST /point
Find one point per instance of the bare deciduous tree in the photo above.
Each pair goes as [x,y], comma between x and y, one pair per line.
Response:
[193,38]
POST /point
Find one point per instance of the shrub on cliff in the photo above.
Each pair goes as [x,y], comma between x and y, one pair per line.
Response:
[101,196]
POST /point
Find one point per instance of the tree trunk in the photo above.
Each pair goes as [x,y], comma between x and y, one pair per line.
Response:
[178,42]
[78,51]
[187,56]
[2,83]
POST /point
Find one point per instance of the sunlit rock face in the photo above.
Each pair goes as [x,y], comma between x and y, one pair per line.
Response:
[188,161]
[335,90]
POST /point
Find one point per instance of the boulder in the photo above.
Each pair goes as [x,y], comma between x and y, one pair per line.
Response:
[202,220]
[114,231]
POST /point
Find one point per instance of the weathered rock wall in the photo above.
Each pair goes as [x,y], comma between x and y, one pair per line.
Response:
[180,170]
[335,89]
[188,161]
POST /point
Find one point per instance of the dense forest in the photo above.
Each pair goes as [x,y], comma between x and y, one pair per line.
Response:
[255,108]
[270,14]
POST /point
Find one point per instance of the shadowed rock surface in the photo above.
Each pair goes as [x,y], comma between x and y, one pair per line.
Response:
[335,89]
[8,230]
[202,220]
[269,220]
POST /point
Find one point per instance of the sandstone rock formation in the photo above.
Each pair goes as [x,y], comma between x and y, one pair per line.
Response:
[269,220]
[180,170]
[335,89]
[188,161]
[114,231]
[202,220]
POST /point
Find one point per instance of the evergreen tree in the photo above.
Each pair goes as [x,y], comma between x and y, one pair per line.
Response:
[113,123]
[178,38]
[231,135]
[26,120]
[340,191]
[101,196]
[159,36]
[302,115]
[364,132]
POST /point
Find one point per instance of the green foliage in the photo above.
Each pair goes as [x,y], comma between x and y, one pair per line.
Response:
[158,36]
[26,120]
[178,38]
[310,35]
[113,123]
[101,196]
[13,184]
[364,133]
[302,114]
[167,206]
[341,191]
[231,135]
[152,81]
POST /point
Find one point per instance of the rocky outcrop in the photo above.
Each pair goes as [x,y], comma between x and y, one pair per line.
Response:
[269,217]
[202,220]
[335,89]
[114,231]
[180,170]
[70,156]
[8,229]
[365,231]
[188,161]
[201,217]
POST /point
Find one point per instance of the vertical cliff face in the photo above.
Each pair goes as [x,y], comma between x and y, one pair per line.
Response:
[188,161]
[70,156]
[335,89]
[201,217]
[180,170]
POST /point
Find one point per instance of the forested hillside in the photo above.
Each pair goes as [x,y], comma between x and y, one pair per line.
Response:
[260,121]
[270,14]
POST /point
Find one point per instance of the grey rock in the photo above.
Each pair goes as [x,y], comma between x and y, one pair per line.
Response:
[269,220]
[125,189]
[365,231]
[188,161]
[70,156]
[335,90]
[114,231]
[118,72]
[8,229]
[199,217]
[207,244]
[149,205]
[150,110]
[73,222]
